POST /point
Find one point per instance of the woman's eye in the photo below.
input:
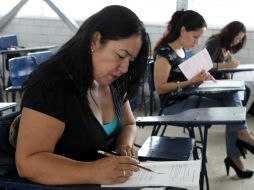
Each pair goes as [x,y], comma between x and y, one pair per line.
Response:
[121,56]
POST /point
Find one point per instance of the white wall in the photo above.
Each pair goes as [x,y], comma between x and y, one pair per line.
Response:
[40,31]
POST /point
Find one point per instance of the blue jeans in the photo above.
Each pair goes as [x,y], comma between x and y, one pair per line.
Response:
[213,100]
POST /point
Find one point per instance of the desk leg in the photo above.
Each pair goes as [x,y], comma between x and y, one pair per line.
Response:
[203,173]
[4,59]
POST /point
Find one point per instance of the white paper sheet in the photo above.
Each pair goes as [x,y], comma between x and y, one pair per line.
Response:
[221,84]
[197,63]
[174,173]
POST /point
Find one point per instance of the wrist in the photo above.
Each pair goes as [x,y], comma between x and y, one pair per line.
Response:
[179,88]
[122,146]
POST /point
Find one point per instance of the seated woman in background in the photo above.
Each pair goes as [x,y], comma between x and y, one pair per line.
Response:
[183,32]
[229,40]
[77,103]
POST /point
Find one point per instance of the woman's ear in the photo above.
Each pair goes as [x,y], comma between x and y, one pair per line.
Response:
[183,30]
[96,40]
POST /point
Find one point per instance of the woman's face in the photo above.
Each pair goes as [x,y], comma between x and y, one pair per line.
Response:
[111,60]
[189,39]
[238,39]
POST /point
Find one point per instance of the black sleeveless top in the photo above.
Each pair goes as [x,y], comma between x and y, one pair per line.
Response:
[174,75]
[213,46]
[83,135]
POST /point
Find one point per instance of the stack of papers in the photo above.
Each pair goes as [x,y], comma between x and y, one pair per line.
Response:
[183,174]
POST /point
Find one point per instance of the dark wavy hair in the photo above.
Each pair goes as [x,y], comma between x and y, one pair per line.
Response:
[190,19]
[229,32]
[74,60]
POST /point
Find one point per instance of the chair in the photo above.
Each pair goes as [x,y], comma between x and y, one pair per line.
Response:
[157,128]
[20,69]
[8,41]
[150,80]
[144,98]
[41,56]
[162,147]
[7,152]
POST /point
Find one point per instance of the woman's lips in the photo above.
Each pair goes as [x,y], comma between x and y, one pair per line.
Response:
[114,77]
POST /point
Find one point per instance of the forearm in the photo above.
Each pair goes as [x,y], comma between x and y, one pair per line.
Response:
[173,86]
[218,65]
[51,169]
[127,136]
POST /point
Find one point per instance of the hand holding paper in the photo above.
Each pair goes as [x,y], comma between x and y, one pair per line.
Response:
[197,63]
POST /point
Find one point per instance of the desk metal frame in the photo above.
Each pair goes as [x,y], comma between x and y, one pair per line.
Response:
[205,117]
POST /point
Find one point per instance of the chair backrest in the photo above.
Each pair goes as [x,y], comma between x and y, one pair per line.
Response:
[8,41]
[41,56]
[189,54]
[20,68]
[150,79]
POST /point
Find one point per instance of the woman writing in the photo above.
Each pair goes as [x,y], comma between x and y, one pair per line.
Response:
[183,31]
[222,45]
[77,103]
[230,40]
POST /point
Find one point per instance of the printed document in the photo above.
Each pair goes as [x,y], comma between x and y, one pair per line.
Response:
[183,174]
[197,63]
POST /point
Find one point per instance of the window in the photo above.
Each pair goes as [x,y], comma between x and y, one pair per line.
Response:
[221,12]
[158,11]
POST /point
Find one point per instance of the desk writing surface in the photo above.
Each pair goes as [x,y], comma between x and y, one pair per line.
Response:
[28,49]
[23,184]
[166,173]
[194,90]
[240,68]
[7,105]
[198,116]
[207,84]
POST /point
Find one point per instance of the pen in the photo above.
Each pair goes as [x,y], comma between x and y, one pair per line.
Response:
[109,155]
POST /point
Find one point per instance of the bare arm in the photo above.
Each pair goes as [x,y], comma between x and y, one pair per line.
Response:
[230,64]
[36,160]
[127,137]
[161,73]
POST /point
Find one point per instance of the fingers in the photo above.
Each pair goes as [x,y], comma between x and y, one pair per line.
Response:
[132,153]
[128,151]
[127,160]
[125,173]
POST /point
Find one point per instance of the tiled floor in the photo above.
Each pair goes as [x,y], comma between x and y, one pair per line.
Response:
[215,153]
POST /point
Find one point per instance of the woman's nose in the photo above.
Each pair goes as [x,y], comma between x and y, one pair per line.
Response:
[124,66]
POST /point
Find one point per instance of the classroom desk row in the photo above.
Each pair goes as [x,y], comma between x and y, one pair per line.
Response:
[199,117]
[204,117]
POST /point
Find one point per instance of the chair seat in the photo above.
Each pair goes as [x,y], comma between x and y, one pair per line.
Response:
[165,148]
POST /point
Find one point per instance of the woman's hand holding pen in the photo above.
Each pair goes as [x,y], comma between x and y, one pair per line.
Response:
[113,169]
